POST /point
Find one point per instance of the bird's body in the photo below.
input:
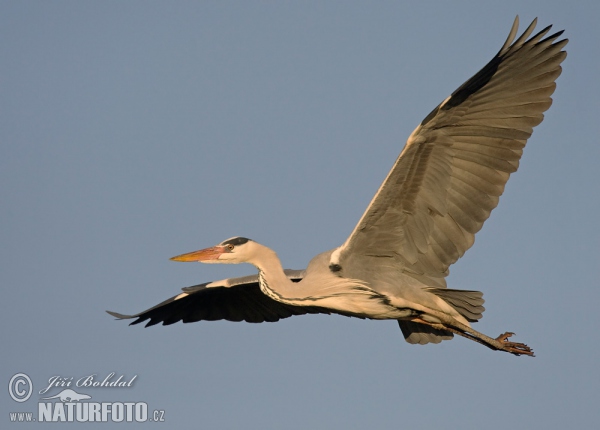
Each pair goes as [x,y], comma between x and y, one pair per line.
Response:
[322,287]
[442,188]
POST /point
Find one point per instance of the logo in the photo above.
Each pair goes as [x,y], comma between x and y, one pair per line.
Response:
[17,393]
[68,395]
[70,405]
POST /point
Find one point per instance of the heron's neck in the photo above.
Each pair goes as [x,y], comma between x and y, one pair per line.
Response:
[273,280]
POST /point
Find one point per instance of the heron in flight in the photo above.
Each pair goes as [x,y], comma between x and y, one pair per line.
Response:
[423,218]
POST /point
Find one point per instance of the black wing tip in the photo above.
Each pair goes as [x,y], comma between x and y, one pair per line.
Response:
[128,317]
[149,323]
[556,36]
[483,76]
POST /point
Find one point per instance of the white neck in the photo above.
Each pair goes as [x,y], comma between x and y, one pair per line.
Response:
[271,274]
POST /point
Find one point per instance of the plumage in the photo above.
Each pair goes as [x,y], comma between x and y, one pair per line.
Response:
[235,299]
[424,217]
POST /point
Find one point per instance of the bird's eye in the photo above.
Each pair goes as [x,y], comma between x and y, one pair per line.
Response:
[230,247]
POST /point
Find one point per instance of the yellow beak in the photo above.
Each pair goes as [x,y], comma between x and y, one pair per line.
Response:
[212,253]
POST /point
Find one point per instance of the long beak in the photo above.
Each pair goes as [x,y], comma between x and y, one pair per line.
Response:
[202,255]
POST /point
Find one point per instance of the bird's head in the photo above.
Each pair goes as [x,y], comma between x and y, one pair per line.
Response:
[230,251]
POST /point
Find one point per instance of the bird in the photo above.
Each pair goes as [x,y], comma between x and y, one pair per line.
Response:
[441,189]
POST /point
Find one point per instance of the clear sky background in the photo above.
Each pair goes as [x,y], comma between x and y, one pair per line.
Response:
[134,131]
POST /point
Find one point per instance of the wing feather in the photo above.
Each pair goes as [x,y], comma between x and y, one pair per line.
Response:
[455,165]
[235,299]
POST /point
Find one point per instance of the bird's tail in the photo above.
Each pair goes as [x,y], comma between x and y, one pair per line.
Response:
[467,303]
[422,334]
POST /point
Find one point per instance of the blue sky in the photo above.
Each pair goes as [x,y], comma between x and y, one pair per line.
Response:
[131,132]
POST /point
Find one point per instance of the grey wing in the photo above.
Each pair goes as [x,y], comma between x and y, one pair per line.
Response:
[235,299]
[456,163]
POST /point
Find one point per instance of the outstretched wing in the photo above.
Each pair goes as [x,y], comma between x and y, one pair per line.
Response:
[236,299]
[456,163]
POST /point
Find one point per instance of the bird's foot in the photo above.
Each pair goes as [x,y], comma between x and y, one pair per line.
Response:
[515,348]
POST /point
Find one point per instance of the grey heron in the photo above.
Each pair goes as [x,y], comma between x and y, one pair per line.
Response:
[441,189]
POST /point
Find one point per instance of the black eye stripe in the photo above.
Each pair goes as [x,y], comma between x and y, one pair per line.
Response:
[235,241]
